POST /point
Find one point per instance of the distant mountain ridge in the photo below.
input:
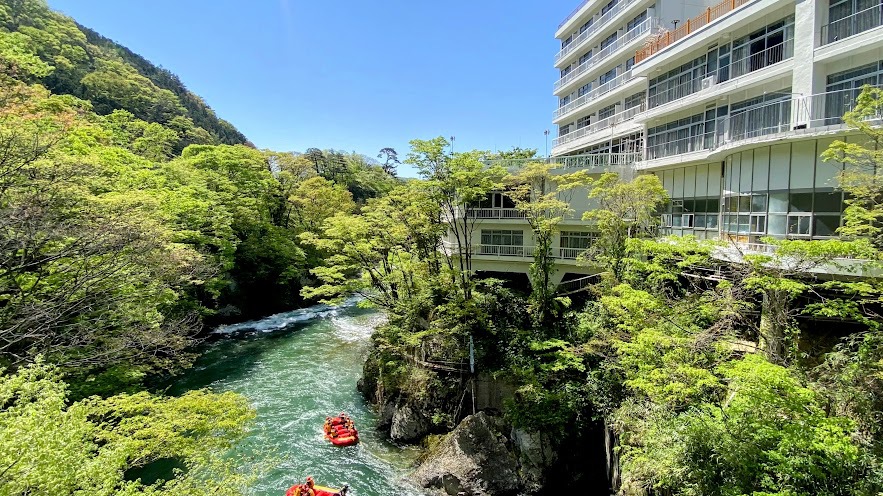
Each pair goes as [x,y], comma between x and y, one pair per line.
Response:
[38,44]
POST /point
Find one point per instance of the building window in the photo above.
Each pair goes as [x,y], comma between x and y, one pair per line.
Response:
[607,111]
[587,25]
[685,135]
[574,242]
[502,242]
[584,89]
[608,41]
[566,71]
[609,6]
[608,76]
[586,56]
[635,100]
[764,47]
[850,17]
[583,122]
[564,101]
[564,130]
[844,87]
[677,83]
[767,114]
[637,20]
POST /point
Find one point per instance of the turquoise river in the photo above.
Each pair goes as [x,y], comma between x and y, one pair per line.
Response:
[295,368]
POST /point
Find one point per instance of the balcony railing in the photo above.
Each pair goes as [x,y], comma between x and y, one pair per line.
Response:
[824,109]
[587,161]
[575,11]
[595,93]
[600,21]
[827,109]
[689,27]
[570,253]
[505,250]
[852,25]
[625,115]
[637,31]
[496,213]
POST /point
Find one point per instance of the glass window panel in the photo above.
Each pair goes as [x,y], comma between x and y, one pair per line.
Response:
[744,203]
[758,203]
[800,202]
[826,225]
[828,202]
[690,206]
[699,221]
[712,205]
[711,221]
[777,225]
[779,202]
[743,224]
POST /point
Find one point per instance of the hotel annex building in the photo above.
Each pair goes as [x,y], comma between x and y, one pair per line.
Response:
[730,104]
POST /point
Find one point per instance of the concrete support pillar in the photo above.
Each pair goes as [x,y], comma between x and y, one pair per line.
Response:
[809,77]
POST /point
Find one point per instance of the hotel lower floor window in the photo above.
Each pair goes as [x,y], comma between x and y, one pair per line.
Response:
[502,242]
[799,225]
[575,242]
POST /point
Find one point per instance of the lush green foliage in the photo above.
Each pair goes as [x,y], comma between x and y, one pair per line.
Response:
[49,446]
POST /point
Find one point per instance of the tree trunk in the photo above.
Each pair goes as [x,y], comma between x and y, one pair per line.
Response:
[774,324]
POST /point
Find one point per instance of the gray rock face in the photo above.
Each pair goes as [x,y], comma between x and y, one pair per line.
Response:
[475,459]
[536,455]
[408,425]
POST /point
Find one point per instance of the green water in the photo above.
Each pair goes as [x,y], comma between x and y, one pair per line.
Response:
[295,369]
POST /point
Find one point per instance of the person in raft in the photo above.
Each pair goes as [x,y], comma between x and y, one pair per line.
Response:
[328,428]
[302,489]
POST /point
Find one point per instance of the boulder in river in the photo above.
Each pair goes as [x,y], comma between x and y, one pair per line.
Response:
[475,459]
[408,424]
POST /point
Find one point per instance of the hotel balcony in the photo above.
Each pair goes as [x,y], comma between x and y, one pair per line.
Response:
[811,115]
[595,163]
[599,24]
[594,96]
[617,124]
[637,33]
[852,25]
[755,69]
[526,253]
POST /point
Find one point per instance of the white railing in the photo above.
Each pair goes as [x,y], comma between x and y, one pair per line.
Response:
[641,29]
[827,109]
[570,253]
[496,213]
[595,93]
[769,119]
[762,120]
[625,115]
[689,144]
[852,25]
[570,16]
[599,21]
[602,161]
[772,55]
[505,250]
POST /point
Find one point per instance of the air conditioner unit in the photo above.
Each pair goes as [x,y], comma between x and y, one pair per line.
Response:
[708,82]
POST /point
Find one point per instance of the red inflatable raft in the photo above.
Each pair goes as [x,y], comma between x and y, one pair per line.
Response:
[300,490]
[339,434]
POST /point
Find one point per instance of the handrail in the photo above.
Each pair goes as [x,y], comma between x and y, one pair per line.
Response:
[496,213]
[851,25]
[583,161]
[599,22]
[768,119]
[636,31]
[737,68]
[575,11]
[611,121]
[669,37]
[595,93]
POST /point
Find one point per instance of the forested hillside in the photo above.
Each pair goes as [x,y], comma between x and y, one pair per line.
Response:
[40,45]
[132,219]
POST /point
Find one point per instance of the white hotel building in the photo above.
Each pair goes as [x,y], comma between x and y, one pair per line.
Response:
[730,104]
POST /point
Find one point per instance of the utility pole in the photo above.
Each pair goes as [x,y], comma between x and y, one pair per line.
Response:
[546,132]
[452,144]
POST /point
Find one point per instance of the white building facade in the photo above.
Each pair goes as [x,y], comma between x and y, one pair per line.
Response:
[729,103]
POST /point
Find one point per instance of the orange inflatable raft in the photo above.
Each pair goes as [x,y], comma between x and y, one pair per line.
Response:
[341,431]
[301,490]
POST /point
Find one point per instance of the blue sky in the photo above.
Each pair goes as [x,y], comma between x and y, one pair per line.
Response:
[354,75]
